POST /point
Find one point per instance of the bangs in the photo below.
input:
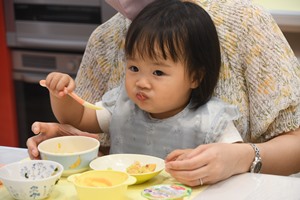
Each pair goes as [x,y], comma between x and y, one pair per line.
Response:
[155,41]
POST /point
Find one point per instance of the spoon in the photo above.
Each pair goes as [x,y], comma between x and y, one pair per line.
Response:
[77,98]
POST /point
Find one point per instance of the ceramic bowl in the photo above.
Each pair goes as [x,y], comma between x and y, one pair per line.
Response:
[121,162]
[31,179]
[101,184]
[74,152]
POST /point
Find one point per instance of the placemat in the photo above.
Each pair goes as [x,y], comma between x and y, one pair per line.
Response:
[65,190]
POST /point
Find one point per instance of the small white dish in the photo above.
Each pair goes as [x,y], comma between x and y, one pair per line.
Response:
[121,162]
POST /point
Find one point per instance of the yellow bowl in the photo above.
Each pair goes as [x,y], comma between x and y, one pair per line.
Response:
[121,162]
[103,184]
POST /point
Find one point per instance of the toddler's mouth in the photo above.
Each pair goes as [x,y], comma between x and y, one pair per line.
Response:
[140,96]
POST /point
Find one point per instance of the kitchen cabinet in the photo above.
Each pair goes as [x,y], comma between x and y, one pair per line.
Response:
[8,127]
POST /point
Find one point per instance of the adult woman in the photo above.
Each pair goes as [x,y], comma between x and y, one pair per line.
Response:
[260,74]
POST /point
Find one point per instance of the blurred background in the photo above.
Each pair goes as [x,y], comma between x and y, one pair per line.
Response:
[38,37]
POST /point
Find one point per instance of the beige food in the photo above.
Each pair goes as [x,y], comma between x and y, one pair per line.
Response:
[137,168]
[94,182]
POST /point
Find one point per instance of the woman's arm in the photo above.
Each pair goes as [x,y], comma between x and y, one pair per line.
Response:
[280,155]
[218,161]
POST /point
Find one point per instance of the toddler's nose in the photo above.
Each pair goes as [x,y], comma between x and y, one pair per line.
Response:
[143,82]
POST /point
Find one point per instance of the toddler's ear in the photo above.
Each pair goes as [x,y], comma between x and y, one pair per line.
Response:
[195,84]
[129,8]
[197,79]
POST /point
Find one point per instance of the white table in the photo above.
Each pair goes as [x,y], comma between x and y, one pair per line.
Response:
[12,154]
[242,187]
[254,187]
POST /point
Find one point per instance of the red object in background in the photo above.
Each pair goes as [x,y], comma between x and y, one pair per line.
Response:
[8,121]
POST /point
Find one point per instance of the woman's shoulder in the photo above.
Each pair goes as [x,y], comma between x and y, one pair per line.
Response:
[226,7]
[234,15]
[116,24]
[110,33]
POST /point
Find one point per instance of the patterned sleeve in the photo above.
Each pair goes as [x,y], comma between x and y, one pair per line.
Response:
[260,73]
[102,64]
[101,68]
[272,76]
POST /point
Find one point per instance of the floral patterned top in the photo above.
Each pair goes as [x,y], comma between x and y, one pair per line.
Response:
[260,73]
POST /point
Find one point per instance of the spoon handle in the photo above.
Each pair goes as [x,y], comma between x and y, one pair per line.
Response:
[76,98]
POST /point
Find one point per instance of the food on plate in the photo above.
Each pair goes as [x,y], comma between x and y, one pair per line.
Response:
[137,168]
[94,182]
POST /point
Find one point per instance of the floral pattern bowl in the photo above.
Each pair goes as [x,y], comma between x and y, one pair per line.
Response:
[31,179]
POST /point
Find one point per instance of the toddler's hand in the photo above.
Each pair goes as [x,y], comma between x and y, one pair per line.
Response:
[59,84]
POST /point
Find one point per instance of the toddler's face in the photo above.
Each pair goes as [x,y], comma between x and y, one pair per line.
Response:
[159,87]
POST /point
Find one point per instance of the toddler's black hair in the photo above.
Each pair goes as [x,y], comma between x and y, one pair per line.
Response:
[181,31]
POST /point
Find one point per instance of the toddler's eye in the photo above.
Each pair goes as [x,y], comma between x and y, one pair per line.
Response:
[158,73]
[133,68]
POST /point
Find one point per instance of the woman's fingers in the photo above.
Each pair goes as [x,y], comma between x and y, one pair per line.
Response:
[196,166]
[207,164]
[178,154]
[184,161]
[32,147]
[191,177]
[48,130]
[43,131]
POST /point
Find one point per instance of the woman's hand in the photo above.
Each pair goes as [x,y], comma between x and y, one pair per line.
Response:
[209,163]
[46,131]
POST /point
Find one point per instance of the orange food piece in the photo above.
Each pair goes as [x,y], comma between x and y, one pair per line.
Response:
[137,168]
[150,167]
